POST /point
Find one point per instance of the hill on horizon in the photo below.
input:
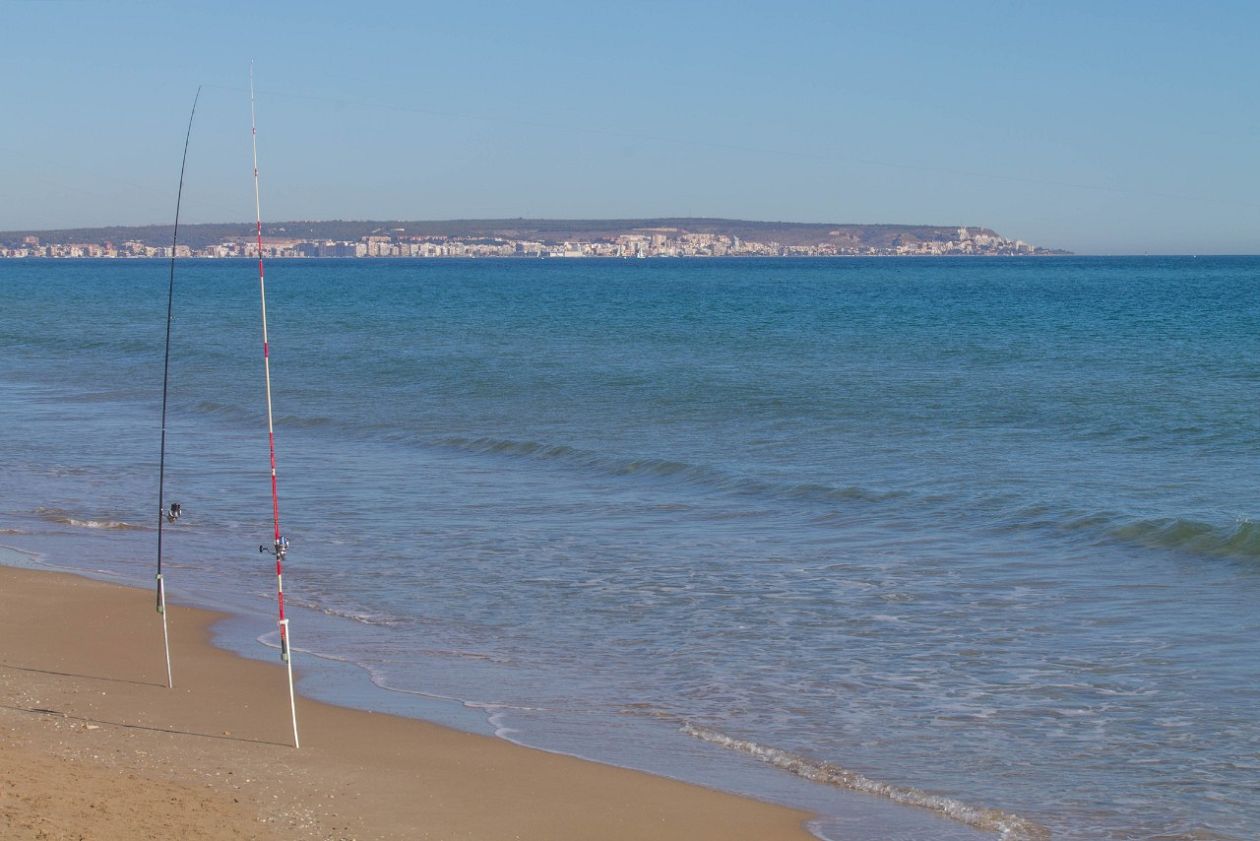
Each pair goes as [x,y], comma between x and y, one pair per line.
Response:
[544,230]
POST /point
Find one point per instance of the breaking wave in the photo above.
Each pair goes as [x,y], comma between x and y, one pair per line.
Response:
[1236,540]
[668,469]
[56,515]
[363,617]
[1009,827]
[1241,540]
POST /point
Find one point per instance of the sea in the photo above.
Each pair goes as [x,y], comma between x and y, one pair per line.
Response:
[943,549]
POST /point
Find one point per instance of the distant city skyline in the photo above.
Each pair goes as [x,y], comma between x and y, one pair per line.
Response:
[1099,128]
[655,238]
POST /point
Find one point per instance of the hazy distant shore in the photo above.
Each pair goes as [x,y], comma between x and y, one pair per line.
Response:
[671,237]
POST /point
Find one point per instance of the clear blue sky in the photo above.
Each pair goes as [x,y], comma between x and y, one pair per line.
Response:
[1102,127]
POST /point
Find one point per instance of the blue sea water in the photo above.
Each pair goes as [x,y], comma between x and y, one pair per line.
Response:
[927,546]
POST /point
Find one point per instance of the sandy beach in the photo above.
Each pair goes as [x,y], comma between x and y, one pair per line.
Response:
[96,747]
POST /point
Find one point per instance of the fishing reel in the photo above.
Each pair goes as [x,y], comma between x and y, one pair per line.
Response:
[279,549]
[173,514]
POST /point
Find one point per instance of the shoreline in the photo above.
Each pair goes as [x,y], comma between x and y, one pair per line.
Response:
[95,740]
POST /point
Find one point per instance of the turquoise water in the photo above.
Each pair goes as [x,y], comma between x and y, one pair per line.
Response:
[979,531]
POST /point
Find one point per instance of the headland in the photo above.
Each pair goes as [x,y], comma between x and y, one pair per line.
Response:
[665,237]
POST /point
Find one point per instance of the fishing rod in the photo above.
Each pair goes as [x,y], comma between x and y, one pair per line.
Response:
[281,546]
[172,514]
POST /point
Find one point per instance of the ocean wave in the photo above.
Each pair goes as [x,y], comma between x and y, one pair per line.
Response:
[103,524]
[660,468]
[56,515]
[1009,827]
[387,620]
[303,422]
[59,471]
[363,617]
[1240,540]
[215,408]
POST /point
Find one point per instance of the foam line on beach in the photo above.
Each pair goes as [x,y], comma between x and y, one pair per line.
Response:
[1009,827]
[66,518]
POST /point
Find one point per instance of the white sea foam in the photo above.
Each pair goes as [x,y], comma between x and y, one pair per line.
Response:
[362,616]
[99,524]
[55,515]
[500,728]
[1008,826]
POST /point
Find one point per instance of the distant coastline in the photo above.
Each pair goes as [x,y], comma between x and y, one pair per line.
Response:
[626,238]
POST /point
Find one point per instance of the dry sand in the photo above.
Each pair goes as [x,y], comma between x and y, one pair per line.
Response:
[94,746]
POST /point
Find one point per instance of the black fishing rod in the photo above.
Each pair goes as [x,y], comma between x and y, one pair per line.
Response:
[169,515]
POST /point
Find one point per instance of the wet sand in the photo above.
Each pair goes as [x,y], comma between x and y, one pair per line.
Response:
[94,746]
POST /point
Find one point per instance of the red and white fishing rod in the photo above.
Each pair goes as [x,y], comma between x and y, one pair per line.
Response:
[281,546]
